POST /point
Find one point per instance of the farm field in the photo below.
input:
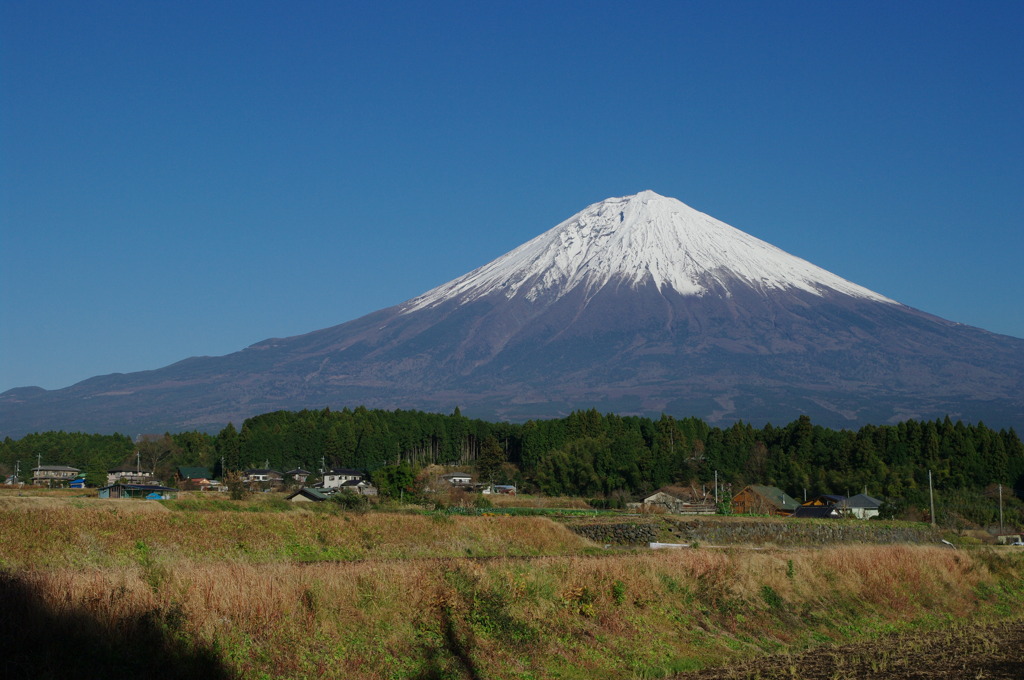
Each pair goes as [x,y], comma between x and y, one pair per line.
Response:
[993,651]
[179,590]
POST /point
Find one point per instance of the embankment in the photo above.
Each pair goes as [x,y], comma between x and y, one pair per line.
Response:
[644,614]
[760,531]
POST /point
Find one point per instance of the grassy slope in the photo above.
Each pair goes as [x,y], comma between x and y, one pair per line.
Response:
[234,591]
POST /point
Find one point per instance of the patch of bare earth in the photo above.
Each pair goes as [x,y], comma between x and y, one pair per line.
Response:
[993,651]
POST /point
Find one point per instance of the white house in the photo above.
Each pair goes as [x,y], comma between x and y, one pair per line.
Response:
[129,475]
[336,477]
[861,506]
[256,476]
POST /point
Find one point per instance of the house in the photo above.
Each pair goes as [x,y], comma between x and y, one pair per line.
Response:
[335,477]
[681,500]
[757,499]
[457,479]
[54,475]
[146,491]
[77,483]
[298,474]
[262,476]
[129,475]
[861,506]
[359,486]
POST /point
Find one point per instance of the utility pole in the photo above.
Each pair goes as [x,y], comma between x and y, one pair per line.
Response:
[931,497]
[716,487]
[1000,508]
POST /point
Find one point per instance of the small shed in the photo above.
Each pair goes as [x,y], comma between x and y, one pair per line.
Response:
[681,501]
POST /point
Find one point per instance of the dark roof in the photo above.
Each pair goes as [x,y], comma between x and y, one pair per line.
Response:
[186,472]
[129,468]
[819,511]
[315,494]
[262,471]
[298,471]
[862,500]
[55,468]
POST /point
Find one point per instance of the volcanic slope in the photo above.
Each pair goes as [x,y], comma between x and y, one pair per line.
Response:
[637,305]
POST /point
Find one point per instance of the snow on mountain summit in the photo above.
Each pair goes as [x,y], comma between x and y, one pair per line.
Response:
[638,240]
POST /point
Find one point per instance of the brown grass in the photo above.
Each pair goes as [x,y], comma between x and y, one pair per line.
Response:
[110,535]
[545,616]
[310,594]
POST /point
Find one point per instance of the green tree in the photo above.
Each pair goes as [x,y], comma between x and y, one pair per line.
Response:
[395,481]
[490,461]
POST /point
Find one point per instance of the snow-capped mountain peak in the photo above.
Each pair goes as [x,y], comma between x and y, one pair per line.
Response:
[638,240]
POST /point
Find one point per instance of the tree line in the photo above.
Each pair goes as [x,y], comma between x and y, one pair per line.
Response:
[584,454]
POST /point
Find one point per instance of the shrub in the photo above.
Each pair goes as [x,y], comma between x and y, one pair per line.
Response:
[349,500]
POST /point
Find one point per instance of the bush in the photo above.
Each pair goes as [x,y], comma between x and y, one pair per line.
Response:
[348,500]
[606,503]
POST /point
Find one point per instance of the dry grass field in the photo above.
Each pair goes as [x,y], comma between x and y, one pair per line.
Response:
[181,593]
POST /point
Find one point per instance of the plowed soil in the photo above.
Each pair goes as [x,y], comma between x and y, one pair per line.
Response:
[990,652]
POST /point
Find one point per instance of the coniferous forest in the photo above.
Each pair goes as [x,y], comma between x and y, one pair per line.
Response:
[584,454]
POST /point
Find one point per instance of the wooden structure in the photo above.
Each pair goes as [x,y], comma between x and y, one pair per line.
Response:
[757,499]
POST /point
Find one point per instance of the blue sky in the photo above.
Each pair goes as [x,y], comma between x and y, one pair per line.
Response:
[188,178]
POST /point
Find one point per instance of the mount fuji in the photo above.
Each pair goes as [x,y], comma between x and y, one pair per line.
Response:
[637,305]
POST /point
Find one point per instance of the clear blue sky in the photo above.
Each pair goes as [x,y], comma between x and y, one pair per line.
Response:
[187,178]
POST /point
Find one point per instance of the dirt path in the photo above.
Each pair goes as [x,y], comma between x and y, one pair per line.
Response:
[991,652]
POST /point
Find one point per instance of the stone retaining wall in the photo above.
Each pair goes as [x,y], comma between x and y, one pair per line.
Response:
[619,534]
[755,532]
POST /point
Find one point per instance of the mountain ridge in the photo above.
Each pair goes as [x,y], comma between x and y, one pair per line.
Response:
[682,314]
